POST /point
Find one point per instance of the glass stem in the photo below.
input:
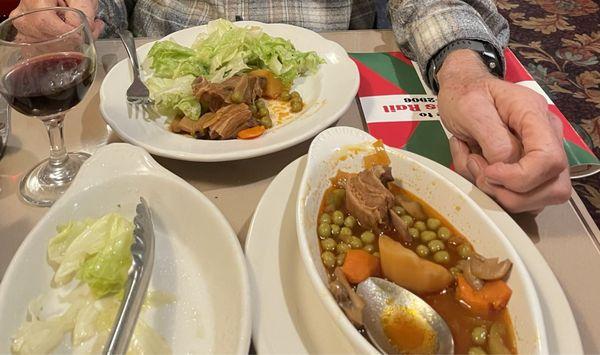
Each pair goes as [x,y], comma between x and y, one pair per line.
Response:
[58,152]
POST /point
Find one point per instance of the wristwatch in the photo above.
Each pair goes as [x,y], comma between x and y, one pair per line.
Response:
[486,51]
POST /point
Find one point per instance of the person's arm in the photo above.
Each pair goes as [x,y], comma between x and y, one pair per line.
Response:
[423,27]
[504,138]
[114,13]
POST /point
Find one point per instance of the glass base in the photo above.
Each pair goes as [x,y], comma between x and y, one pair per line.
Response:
[44,184]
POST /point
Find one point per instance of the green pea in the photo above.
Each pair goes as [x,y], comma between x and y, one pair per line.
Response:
[436,245]
[433,223]
[340,259]
[328,244]
[420,225]
[350,222]
[294,95]
[376,254]
[262,111]
[338,196]
[367,237]
[296,106]
[260,104]
[408,220]
[355,242]
[476,351]
[422,250]
[285,96]
[328,259]
[325,218]
[413,232]
[464,250]
[253,109]
[324,230]
[479,335]
[444,233]
[455,271]
[441,257]
[427,236]
[399,210]
[237,97]
[335,229]
[342,248]
[369,248]
[266,121]
[345,232]
[338,218]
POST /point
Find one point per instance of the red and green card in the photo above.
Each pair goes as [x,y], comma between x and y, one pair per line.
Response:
[400,110]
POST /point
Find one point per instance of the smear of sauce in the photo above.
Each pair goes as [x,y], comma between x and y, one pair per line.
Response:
[408,330]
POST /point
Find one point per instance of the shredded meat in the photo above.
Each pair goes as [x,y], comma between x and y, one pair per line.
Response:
[216,95]
[228,121]
[368,199]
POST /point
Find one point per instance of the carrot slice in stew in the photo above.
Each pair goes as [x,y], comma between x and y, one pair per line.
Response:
[493,296]
[250,133]
[360,265]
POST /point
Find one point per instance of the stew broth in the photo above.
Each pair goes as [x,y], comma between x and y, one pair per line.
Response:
[459,318]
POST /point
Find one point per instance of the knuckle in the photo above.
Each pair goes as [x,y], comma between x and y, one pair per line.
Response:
[562,192]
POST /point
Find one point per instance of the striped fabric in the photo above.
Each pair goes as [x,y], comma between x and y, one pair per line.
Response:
[422,27]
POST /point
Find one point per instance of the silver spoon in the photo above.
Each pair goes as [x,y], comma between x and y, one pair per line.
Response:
[379,294]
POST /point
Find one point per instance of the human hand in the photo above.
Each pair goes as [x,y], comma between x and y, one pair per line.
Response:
[505,139]
[42,25]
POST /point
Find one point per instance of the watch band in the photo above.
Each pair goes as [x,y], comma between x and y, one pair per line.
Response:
[486,51]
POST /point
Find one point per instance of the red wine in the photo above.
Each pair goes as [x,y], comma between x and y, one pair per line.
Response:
[49,84]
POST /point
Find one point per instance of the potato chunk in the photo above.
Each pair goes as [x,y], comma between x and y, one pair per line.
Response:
[405,268]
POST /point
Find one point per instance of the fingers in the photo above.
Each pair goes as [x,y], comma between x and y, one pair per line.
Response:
[460,153]
[42,25]
[544,157]
[97,28]
[554,191]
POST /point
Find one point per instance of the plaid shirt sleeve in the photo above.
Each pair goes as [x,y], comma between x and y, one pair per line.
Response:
[424,27]
[114,13]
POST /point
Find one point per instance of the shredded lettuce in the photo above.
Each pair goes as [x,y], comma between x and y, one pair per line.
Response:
[106,272]
[105,241]
[98,253]
[173,97]
[222,52]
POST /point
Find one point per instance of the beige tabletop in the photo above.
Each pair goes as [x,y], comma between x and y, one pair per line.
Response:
[564,234]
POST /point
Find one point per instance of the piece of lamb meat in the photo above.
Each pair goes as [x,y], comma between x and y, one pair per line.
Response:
[229,120]
[216,95]
[368,199]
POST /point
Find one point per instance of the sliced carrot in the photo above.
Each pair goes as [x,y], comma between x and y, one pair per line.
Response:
[380,156]
[360,265]
[473,299]
[494,295]
[250,133]
[498,293]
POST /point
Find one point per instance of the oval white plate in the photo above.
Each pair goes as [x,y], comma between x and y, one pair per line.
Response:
[327,95]
[198,257]
[461,211]
[281,298]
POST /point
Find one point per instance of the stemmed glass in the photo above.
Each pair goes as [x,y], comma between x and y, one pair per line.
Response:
[44,72]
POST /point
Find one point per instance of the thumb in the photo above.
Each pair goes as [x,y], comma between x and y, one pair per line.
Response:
[97,28]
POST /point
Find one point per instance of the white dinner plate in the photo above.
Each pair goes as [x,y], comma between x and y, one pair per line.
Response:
[290,318]
[327,95]
[198,258]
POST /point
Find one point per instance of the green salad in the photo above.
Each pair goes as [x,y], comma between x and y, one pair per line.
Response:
[224,51]
[91,260]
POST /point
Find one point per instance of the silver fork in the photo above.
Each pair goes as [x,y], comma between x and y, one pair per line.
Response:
[138,95]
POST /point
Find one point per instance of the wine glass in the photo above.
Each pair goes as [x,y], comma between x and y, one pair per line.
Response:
[44,72]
